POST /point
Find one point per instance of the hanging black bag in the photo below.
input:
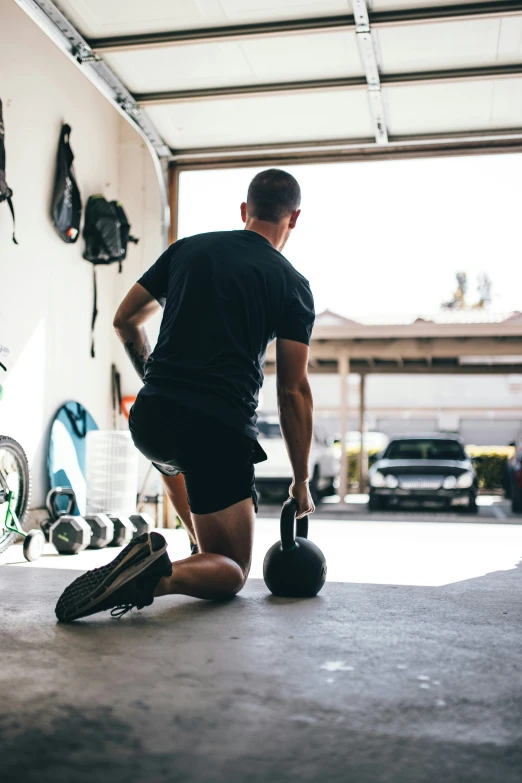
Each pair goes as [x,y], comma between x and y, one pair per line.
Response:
[5,192]
[107,233]
[125,235]
[66,207]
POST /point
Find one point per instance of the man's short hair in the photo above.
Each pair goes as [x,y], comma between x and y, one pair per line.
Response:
[272,195]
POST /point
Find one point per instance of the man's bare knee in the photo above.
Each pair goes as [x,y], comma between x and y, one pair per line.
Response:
[236,580]
[243,579]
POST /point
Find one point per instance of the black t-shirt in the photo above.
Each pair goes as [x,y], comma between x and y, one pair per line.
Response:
[226,296]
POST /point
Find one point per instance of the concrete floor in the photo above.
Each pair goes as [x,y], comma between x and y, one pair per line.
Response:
[406,668]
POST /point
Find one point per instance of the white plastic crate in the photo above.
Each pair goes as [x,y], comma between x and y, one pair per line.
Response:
[112,472]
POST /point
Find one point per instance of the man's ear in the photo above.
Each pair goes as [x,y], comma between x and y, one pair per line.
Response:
[244,214]
[293,218]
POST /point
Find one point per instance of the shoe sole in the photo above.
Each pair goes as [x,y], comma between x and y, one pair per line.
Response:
[123,573]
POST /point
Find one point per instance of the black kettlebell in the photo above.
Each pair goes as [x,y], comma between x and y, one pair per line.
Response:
[55,507]
[294,567]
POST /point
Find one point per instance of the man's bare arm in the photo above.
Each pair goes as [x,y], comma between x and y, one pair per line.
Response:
[138,350]
[295,404]
[135,310]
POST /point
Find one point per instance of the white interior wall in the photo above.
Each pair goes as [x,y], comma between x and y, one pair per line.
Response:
[46,286]
[137,179]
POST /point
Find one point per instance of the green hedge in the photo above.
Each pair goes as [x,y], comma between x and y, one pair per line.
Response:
[491,471]
[353,464]
[491,465]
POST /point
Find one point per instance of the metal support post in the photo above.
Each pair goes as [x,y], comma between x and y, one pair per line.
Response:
[344,370]
[363,456]
[173,202]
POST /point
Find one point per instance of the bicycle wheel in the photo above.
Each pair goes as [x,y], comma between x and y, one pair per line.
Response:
[15,469]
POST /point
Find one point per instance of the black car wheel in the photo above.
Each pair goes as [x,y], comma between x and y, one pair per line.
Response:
[516,500]
[471,508]
[508,482]
[376,503]
[329,490]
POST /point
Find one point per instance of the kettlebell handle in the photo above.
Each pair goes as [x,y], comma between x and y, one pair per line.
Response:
[52,504]
[289,524]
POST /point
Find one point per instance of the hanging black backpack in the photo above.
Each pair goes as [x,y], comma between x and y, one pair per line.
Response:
[107,233]
[66,207]
[5,191]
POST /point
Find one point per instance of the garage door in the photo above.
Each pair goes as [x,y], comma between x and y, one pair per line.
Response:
[392,427]
[489,432]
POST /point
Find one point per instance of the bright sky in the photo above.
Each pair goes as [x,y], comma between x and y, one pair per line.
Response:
[387,238]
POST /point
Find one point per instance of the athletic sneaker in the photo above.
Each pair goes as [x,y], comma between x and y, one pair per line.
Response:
[128,582]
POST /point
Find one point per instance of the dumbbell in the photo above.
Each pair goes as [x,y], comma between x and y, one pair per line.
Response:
[142,522]
[70,534]
[102,529]
[123,530]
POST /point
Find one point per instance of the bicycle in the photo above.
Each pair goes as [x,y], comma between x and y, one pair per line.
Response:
[15,493]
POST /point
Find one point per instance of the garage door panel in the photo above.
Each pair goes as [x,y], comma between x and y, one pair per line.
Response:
[395,5]
[238,11]
[230,63]
[101,18]
[466,106]
[264,120]
[471,43]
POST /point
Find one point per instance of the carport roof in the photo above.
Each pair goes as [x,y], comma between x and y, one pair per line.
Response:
[438,344]
[238,82]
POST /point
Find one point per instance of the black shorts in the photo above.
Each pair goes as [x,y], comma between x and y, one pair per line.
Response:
[216,461]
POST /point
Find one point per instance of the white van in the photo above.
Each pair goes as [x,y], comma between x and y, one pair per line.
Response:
[274,476]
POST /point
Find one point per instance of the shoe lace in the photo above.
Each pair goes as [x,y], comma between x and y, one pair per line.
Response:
[119,611]
[122,609]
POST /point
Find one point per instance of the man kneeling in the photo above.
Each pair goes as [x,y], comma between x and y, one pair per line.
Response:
[225,295]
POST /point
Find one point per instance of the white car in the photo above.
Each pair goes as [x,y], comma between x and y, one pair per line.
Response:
[274,476]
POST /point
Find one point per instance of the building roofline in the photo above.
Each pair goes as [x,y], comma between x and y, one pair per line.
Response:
[418,329]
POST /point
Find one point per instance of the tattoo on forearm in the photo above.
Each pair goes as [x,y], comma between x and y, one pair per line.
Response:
[138,356]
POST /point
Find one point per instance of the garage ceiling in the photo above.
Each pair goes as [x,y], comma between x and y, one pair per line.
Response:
[235,81]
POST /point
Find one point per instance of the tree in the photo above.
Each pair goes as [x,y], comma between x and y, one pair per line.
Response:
[459,297]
